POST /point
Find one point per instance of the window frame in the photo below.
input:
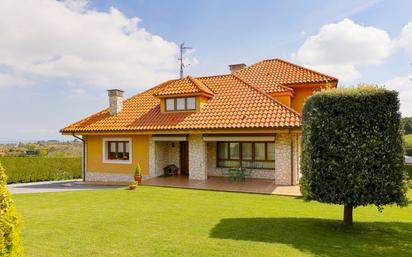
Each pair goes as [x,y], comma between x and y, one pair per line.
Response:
[106,150]
[241,160]
[186,109]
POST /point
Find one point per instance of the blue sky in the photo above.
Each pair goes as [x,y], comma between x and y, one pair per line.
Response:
[58,58]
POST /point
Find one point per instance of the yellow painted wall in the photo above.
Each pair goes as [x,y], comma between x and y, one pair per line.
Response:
[140,154]
[285,99]
[200,102]
[301,94]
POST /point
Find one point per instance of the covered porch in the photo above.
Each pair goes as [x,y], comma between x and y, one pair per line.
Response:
[251,185]
[271,159]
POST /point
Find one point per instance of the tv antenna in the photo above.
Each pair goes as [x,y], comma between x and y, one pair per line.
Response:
[182,65]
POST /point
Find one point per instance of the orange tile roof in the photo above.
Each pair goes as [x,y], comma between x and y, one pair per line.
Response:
[188,85]
[237,101]
[275,75]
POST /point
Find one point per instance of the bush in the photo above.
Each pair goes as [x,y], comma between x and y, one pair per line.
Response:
[9,222]
[31,169]
[352,151]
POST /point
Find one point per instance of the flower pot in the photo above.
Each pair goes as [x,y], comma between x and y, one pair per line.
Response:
[132,187]
[138,179]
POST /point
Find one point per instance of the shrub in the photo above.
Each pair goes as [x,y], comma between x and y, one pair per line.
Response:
[31,169]
[9,222]
[352,151]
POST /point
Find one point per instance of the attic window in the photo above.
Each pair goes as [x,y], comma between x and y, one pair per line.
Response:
[181,104]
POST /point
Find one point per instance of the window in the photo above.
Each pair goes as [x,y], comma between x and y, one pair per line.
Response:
[116,150]
[170,104]
[191,103]
[181,104]
[256,155]
[119,150]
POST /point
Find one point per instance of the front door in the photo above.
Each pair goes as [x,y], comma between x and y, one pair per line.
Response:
[184,158]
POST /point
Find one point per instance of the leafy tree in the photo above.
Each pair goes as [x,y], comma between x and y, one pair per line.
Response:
[352,151]
[9,222]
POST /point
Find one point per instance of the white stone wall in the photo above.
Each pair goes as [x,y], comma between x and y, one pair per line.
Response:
[108,177]
[283,164]
[197,158]
[162,154]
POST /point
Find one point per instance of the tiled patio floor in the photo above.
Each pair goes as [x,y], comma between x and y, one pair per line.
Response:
[259,186]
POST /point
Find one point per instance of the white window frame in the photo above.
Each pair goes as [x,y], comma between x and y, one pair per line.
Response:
[174,104]
[194,103]
[105,150]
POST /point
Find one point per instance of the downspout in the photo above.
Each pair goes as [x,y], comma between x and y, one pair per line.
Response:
[83,157]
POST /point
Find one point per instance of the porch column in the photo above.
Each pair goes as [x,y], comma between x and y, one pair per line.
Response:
[283,159]
[197,158]
[152,157]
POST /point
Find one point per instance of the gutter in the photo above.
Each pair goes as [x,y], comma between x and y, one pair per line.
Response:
[83,157]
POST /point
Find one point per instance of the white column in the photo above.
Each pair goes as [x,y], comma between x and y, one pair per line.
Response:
[283,161]
[197,158]
[152,157]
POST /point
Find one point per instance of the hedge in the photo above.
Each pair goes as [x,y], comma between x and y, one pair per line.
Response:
[31,169]
[352,152]
[9,221]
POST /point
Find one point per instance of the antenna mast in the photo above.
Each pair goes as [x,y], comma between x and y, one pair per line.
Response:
[182,65]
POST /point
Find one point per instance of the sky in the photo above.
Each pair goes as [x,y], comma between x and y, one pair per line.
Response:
[58,58]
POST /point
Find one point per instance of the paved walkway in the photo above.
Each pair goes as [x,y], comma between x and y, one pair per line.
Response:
[55,186]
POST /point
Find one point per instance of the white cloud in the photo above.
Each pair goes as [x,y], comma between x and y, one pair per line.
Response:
[345,72]
[405,39]
[404,86]
[339,47]
[76,5]
[49,39]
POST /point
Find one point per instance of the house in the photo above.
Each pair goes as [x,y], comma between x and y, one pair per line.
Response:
[250,117]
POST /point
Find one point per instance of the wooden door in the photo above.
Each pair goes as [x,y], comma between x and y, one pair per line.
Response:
[184,158]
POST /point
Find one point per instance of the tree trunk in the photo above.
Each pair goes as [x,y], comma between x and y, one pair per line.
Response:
[348,214]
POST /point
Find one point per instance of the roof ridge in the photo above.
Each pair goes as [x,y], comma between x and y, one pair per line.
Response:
[212,76]
[302,67]
[200,85]
[267,95]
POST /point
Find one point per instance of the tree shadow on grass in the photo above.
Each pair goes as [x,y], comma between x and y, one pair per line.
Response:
[320,236]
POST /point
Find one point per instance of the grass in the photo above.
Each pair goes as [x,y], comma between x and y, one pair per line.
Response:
[154,221]
[408,140]
[30,169]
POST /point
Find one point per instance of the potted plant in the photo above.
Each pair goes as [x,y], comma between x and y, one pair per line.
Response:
[132,185]
[138,174]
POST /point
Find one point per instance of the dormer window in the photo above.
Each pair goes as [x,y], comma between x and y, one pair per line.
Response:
[181,104]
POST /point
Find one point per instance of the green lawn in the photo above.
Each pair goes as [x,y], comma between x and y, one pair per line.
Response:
[408,139]
[155,221]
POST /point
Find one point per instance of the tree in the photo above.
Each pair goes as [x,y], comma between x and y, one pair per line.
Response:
[352,151]
[9,221]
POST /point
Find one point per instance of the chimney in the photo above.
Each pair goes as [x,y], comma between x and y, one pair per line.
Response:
[115,101]
[235,67]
